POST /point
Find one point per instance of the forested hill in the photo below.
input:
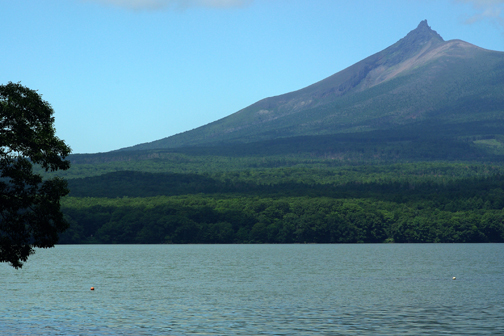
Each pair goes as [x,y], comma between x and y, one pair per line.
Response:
[421,89]
[261,200]
[166,197]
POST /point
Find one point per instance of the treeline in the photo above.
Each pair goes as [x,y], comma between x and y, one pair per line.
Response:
[389,181]
[199,219]
[439,204]
[175,198]
[166,161]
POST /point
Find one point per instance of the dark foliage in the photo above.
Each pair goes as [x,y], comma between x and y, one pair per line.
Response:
[361,204]
[30,213]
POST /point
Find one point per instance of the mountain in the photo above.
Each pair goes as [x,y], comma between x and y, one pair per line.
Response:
[421,86]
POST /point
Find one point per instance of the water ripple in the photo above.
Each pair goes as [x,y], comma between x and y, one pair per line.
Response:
[257,290]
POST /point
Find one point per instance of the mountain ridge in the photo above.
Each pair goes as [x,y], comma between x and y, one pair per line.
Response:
[405,82]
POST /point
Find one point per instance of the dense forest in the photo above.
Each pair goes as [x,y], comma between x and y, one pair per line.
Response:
[180,199]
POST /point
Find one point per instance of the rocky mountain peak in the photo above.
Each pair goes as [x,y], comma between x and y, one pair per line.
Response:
[409,46]
[422,34]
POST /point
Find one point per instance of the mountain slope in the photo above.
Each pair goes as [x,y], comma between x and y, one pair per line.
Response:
[419,78]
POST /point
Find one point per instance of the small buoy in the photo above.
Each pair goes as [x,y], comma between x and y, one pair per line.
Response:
[92,288]
[454,278]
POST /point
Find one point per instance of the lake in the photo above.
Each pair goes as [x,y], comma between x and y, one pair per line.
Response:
[363,289]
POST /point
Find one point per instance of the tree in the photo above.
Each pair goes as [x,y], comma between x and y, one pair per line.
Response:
[30,214]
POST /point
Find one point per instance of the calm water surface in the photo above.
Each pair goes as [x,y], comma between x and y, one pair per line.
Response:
[396,289]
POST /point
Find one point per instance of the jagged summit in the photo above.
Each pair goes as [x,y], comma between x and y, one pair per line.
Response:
[421,39]
[423,33]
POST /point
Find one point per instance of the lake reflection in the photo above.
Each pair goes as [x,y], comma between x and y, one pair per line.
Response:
[396,289]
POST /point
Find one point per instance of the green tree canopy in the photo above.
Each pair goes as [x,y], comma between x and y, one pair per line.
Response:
[30,213]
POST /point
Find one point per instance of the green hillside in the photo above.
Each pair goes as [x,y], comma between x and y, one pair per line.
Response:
[261,200]
[181,198]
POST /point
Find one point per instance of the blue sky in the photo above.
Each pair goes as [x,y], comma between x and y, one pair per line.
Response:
[123,72]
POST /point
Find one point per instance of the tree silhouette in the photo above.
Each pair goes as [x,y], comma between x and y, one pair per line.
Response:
[30,213]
